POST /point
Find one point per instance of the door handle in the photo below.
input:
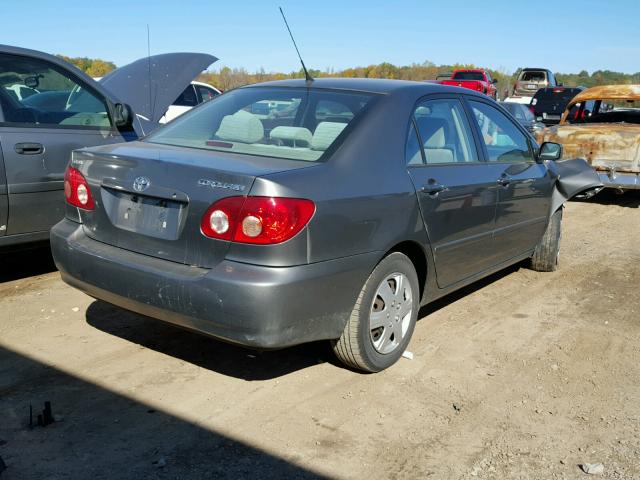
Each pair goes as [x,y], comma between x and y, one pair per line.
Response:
[28,148]
[504,180]
[433,188]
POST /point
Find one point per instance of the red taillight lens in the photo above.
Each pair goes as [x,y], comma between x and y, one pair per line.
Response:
[258,220]
[76,189]
[532,110]
[220,219]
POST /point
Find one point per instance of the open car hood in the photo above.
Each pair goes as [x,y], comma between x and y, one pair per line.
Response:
[149,85]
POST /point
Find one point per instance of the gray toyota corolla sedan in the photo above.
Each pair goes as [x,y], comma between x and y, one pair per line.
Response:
[294,211]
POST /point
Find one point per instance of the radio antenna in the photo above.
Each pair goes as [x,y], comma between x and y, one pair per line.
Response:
[151,95]
[308,77]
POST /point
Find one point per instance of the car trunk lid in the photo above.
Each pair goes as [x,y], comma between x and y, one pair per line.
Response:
[150,198]
[605,146]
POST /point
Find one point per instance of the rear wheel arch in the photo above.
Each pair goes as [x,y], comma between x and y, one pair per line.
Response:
[418,257]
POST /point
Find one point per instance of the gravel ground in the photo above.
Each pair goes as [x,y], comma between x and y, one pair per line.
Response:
[524,375]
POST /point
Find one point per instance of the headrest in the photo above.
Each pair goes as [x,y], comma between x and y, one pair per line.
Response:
[301,137]
[432,131]
[242,126]
[325,134]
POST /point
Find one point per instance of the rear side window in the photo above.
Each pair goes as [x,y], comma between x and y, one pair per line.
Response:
[444,134]
[293,123]
[187,98]
[206,93]
[34,92]
[503,140]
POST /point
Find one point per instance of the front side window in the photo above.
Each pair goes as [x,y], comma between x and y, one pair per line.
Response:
[293,123]
[504,141]
[34,92]
[444,134]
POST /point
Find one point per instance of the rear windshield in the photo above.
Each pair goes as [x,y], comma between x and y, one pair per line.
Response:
[533,76]
[292,123]
[468,76]
[519,112]
[555,99]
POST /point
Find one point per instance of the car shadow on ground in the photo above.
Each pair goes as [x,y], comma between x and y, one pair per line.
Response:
[101,434]
[608,196]
[231,360]
[205,352]
[27,261]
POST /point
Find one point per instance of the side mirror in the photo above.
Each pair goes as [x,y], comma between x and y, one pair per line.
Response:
[123,116]
[494,81]
[550,151]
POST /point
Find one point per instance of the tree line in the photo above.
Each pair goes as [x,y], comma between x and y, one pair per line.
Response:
[226,78]
[94,67]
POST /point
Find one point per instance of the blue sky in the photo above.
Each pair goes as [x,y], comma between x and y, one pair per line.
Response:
[566,36]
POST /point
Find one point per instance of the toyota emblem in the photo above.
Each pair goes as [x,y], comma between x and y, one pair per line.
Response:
[140,184]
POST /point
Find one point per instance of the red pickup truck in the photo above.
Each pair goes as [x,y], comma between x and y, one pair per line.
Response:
[478,80]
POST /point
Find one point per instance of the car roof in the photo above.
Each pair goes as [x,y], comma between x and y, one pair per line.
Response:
[609,92]
[370,85]
[535,69]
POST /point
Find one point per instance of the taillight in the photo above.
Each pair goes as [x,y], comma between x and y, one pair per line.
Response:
[532,109]
[258,220]
[76,189]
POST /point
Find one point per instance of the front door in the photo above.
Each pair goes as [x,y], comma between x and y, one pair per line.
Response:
[524,191]
[457,190]
[47,113]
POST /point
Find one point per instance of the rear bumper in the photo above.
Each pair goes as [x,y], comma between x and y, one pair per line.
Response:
[623,180]
[250,305]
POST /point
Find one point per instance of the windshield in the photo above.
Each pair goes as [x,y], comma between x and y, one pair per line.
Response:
[293,123]
[605,111]
[468,76]
[519,112]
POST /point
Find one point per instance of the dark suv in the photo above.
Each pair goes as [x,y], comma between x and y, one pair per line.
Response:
[548,103]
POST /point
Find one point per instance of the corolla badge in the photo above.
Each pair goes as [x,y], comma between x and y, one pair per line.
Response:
[140,184]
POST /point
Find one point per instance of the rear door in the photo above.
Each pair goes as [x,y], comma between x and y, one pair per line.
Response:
[456,188]
[524,185]
[38,133]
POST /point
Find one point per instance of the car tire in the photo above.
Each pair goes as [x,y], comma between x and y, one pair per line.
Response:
[545,256]
[377,332]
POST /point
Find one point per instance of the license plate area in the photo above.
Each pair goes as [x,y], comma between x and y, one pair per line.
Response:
[150,216]
[531,86]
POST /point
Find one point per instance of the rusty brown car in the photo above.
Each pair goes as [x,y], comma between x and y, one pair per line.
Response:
[602,125]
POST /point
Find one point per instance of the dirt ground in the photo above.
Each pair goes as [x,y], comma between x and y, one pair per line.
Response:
[525,375]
